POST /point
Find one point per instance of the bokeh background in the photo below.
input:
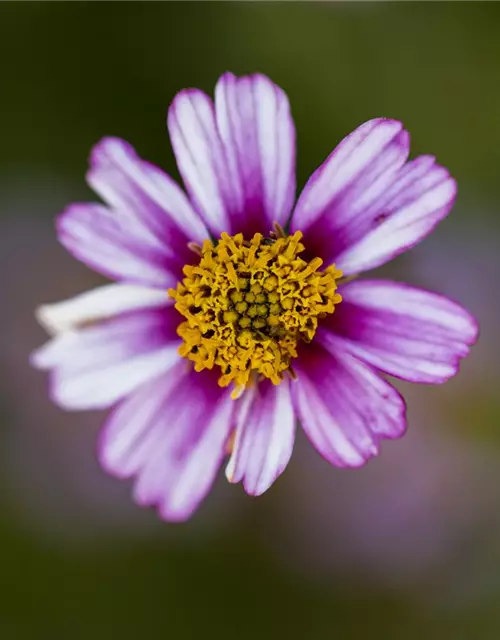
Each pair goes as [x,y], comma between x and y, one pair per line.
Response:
[405,548]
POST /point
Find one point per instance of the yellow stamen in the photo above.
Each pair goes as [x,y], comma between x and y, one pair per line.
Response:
[248,303]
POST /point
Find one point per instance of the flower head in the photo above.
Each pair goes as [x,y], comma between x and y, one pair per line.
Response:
[230,317]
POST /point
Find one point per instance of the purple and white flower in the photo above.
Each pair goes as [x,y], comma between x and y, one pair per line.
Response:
[181,262]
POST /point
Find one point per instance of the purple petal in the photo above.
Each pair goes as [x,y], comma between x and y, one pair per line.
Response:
[200,157]
[145,194]
[265,435]
[406,332]
[170,435]
[100,364]
[258,134]
[98,304]
[344,406]
[237,159]
[108,242]
[336,205]
[421,196]
[143,237]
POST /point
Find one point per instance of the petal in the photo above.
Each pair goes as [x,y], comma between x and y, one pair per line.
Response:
[145,193]
[265,434]
[200,157]
[344,406]
[406,332]
[97,304]
[111,244]
[98,365]
[258,134]
[336,205]
[143,237]
[171,435]
[421,196]
[237,159]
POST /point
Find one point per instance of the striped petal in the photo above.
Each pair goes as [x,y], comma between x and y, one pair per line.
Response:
[170,435]
[108,243]
[336,206]
[420,197]
[237,158]
[364,205]
[143,236]
[345,408]
[145,193]
[265,434]
[409,333]
[95,366]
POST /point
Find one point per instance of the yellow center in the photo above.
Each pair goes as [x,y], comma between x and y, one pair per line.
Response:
[249,302]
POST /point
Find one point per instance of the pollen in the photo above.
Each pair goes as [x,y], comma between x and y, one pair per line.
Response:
[247,305]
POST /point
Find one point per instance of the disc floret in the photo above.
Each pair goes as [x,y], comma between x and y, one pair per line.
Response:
[248,303]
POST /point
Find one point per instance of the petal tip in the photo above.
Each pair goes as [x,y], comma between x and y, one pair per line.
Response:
[36,360]
[47,319]
[105,147]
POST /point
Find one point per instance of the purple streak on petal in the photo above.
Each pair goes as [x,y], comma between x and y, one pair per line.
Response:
[153,204]
[265,434]
[100,364]
[344,406]
[406,332]
[201,158]
[421,196]
[108,242]
[336,205]
[258,134]
[171,436]
[237,159]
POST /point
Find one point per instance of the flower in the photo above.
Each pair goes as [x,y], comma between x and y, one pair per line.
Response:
[234,310]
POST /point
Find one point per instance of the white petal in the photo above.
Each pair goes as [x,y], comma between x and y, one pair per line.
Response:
[97,304]
[95,366]
[265,435]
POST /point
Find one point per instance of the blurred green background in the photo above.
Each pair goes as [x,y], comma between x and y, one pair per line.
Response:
[408,547]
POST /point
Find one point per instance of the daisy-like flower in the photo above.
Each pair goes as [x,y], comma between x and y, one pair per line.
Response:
[234,314]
